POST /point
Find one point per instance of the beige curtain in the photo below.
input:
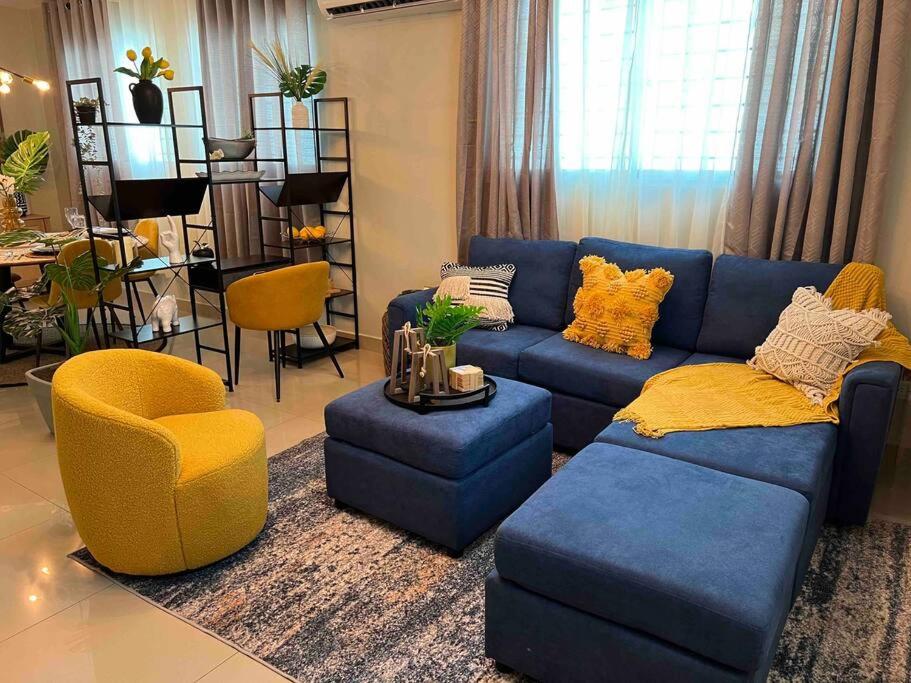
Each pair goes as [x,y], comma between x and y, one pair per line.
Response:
[80,38]
[505,173]
[817,129]
[229,75]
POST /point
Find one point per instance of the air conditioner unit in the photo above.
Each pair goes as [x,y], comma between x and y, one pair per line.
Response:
[353,10]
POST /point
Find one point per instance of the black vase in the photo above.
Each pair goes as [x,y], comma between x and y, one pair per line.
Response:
[147,101]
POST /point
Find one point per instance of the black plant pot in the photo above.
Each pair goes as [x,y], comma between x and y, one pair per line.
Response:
[147,101]
[86,114]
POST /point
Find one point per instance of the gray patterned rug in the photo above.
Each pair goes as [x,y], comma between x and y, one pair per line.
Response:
[332,595]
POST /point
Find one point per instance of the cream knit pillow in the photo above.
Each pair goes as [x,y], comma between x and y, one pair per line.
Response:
[813,343]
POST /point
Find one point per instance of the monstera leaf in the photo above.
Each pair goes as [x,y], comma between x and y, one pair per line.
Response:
[28,162]
[9,144]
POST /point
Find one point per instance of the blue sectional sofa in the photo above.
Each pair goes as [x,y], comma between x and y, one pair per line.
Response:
[617,568]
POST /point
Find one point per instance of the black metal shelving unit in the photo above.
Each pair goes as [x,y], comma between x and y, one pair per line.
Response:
[128,201]
[320,189]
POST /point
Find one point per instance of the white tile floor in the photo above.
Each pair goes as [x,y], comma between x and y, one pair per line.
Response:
[62,622]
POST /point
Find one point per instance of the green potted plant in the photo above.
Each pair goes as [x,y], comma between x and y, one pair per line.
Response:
[86,109]
[295,82]
[23,160]
[444,323]
[22,322]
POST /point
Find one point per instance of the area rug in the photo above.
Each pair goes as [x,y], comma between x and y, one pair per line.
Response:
[332,595]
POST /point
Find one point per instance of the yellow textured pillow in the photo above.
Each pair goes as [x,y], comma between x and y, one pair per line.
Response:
[616,311]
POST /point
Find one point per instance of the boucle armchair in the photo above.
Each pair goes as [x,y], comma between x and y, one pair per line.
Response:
[159,476]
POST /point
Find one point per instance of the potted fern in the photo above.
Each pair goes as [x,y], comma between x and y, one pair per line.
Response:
[444,323]
[295,82]
[61,314]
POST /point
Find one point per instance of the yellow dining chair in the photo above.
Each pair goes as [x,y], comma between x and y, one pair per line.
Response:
[82,299]
[277,301]
[159,476]
[146,228]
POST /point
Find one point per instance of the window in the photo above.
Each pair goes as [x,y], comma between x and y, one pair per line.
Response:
[650,85]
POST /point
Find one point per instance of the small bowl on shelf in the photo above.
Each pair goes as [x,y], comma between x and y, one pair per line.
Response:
[233,150]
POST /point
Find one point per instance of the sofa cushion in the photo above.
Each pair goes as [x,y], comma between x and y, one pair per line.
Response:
[498,352]
[814,342]
[449,443]
[695,557]
[538,291]
[617,310]
[680,314]
[746,296]
[794,457]
[602,376]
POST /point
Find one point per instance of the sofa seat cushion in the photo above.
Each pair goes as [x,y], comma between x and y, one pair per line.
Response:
[498,352]
[703,358]
[795,457]
[214,440]
[610,378]
[698,558]
[448,443]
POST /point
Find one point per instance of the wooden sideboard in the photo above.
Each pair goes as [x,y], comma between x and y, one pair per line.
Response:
[37,221]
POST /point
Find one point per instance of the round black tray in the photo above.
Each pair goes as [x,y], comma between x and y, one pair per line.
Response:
[454,400]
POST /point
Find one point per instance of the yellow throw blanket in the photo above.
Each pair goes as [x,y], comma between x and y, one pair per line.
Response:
[697,398]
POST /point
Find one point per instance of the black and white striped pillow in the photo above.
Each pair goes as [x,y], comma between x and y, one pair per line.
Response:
[486,286]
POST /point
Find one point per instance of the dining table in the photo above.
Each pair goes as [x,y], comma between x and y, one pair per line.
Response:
[35,255]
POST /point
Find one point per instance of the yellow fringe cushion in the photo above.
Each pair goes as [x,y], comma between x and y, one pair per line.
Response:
[719,396]
[617,310]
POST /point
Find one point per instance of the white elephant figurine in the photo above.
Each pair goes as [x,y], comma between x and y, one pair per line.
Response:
[171,243]
[164,315]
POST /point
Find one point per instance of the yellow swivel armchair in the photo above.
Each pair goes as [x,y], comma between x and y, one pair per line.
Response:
[159,476]
[278,300]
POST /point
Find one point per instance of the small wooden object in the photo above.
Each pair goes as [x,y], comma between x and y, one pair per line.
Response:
[405,342]
[466,378]
[428,373]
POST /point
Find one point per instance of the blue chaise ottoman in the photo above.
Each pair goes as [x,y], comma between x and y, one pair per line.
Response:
[448,475]
[631,566]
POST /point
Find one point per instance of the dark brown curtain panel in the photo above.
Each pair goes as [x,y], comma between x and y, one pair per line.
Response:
[825,80]
[505,175]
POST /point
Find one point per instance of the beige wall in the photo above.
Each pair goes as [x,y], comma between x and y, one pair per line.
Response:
[24,48]
[401,76]
[894,249]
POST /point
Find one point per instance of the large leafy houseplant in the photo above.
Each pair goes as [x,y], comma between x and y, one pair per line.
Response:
[23,161]
[77,275]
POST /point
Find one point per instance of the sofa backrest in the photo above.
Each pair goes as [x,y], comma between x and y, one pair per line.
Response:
[680,314]
[538,291]
[746,296]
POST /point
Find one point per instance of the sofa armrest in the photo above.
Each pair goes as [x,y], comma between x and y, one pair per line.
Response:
[865,408]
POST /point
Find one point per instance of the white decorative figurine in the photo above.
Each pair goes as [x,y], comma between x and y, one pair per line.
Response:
[170,242]
[164,315]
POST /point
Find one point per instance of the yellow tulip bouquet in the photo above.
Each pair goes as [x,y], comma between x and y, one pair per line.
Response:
[148,68]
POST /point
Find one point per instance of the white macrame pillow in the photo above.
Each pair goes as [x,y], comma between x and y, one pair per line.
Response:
[813,343]
[486,286]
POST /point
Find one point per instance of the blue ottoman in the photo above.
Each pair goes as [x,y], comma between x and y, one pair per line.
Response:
[446,475]
[633,566]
